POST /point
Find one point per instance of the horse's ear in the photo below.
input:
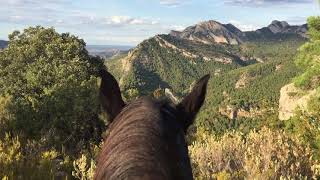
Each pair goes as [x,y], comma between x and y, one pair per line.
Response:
[110,95]
[191,104]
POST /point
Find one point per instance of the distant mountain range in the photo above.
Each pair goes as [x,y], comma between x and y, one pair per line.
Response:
[214,32]
[3,44]
[107,51]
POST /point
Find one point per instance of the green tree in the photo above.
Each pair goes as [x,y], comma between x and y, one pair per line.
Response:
[51,81]
[306,125]
[309,57]
[309,60]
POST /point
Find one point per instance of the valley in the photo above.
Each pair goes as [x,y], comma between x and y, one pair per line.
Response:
[248,68]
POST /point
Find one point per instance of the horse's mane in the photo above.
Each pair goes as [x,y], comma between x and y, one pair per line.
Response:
[146,139]
[135,143]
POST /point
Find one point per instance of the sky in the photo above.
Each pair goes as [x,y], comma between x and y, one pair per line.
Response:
[128,22]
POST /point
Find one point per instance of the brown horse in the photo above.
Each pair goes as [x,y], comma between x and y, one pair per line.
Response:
[146,138]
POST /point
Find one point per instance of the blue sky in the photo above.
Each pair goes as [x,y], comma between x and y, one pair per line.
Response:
[128,22]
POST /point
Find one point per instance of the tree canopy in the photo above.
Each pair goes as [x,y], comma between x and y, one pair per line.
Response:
[48,81]
[309,60]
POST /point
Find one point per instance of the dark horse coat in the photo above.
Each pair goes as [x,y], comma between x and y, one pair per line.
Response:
[146,137]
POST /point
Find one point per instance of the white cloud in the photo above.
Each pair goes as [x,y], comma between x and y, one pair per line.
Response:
[297,20]
[111,21]
[265,2]
[30,5]
[171,3]
[126,20]
[122,29]
[119,20]
[244,26]
[177,27]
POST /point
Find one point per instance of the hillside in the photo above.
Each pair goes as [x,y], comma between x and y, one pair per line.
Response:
[168,62]
[247,97]
[174,61]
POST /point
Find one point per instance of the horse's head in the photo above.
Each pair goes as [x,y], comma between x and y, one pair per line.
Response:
[174,120]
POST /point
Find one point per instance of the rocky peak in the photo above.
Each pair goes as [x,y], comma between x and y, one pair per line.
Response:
[283,27]
[278,26]
[209,26]
[209,32]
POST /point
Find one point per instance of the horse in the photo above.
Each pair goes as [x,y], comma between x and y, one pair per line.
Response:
[146,138]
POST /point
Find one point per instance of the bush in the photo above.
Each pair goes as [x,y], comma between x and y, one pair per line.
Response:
[10,156]
[265,154]
[31,160]
[84,168]
[51,80]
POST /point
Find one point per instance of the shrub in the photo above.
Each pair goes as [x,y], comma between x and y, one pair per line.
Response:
[31,160]
[265,154]
[84,168]
[10,156]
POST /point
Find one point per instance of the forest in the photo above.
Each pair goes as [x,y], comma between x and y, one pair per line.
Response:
[52,125]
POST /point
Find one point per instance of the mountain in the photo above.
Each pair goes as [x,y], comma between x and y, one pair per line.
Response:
[3,44]
[282,28]
[214,32]
[210,32]
[248,68]
[169,62]
[107,51]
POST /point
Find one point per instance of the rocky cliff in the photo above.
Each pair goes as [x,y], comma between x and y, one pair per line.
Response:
[292,99]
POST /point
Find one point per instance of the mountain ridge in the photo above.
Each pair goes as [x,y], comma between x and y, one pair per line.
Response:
[214,32]
[158,56]
[3,44]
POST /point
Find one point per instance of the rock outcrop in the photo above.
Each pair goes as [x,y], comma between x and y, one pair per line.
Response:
[234,113]
[291,99]
[171,96]
[243,81]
